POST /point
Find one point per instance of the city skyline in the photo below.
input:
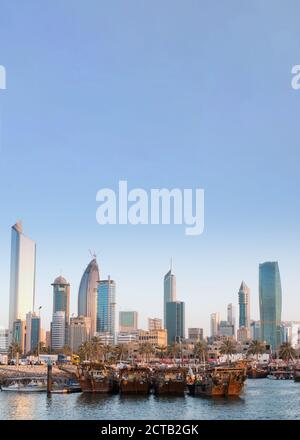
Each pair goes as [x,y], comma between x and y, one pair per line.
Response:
[91,278]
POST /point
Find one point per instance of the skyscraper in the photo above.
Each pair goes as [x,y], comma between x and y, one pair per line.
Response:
[61,296]
[58,331]
[80,331]
[61,301]
[106,307]
[87,295]
[169,292]
[128,322]
[244,306]
[32,331]
[19,334]
[270,297]
[231,316]
[214,324]
[22,276]
[175,321]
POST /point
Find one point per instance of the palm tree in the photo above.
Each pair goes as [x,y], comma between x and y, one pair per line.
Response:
[146,350]
[200,350]
[96,348]
[85,350]
[161,350]
[228,347]
[15,350]
[256,347]
[107,351]
[174,350]
[287,352]
[67,351]
[121,351]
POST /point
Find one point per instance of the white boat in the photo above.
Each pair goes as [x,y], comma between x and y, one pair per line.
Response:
[32,386]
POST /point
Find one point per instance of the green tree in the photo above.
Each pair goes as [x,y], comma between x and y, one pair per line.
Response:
[287,352]
[228,348]
[255,348]
[200,350]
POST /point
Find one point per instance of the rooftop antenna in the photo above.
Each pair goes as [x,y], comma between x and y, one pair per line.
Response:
[92,254]
[171,264]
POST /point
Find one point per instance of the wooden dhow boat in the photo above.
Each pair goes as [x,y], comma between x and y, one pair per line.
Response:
[257,372]
[134,380]
[218,381]
[169,381]
[97,378]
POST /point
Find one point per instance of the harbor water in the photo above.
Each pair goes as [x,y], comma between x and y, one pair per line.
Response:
[262,399]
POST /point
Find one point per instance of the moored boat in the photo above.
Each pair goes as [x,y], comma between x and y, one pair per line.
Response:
[169,381]
[257,372]
[218,381]
[26,386]
[134,380]
[96,378]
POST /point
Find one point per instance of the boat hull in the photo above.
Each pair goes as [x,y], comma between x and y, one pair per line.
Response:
[174,388]
[134,387]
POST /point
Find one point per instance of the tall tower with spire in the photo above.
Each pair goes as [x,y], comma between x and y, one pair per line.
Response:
[87,294]
[169,290]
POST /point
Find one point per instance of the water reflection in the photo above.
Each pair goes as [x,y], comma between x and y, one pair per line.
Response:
[262,399]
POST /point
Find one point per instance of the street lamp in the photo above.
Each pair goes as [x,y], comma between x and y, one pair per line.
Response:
[39,335]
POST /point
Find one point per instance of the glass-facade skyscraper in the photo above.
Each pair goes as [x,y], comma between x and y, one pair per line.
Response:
[169,292]
[106,307]
[87,295]
[270,297]
[128,321]
[175,321]
[22,276]
[244,306]
[61,296]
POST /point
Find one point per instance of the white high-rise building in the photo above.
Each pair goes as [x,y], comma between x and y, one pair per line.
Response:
[3,340]
[58,331]
[214,324]
[231,316]
[22,276]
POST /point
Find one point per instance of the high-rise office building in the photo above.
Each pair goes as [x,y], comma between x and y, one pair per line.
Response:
[32,332]
[255,330]
[244,306]
[106,307]
[270,297]
[22,276]
[169,292]
[58,331]
[80,331]
[231,316]
[175,321]
[214,324]
[3,340]
[195,334]
[61,301]
[226,329]
[61,296]
[87,295]
[154,324]
[19,334]
[128,322]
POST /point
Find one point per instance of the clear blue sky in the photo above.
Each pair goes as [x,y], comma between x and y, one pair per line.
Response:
[163,94]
